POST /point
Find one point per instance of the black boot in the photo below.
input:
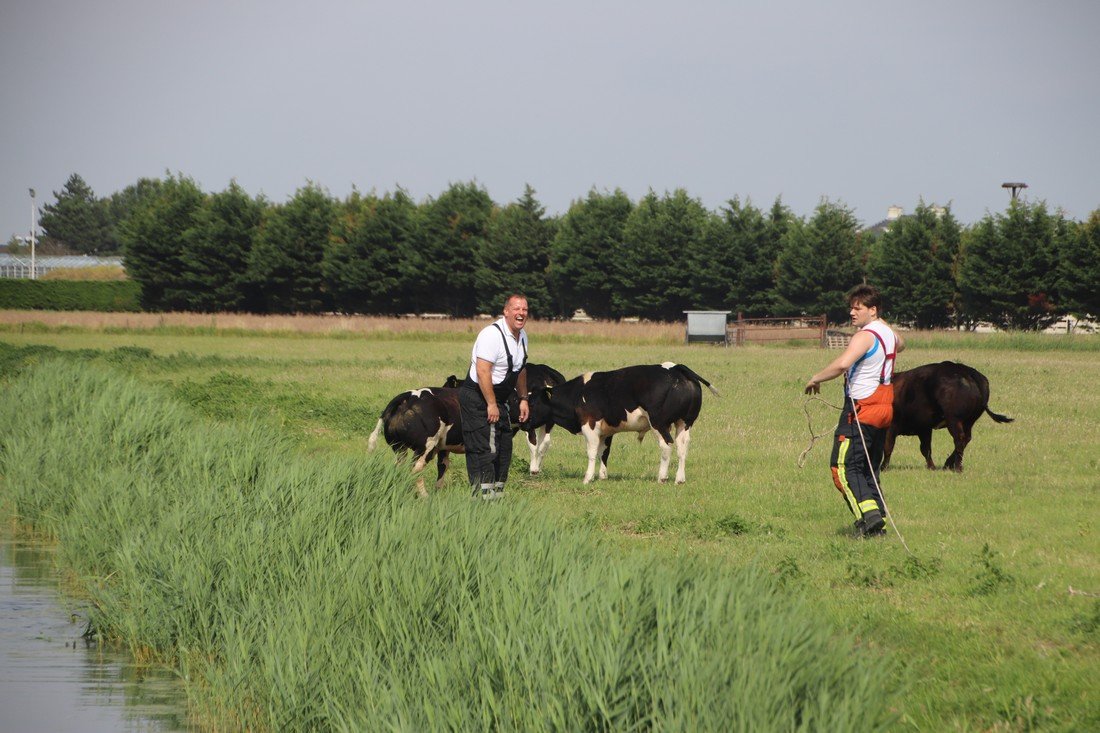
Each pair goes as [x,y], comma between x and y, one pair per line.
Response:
[872,524]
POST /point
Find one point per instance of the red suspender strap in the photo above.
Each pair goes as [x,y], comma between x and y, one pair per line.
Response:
[889,357]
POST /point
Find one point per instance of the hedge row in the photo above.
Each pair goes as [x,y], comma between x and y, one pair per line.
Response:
[70,295]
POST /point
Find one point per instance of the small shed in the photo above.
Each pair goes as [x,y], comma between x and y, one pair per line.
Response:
[707,327]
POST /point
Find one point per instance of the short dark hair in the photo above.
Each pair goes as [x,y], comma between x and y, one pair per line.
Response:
[513,296]
[866,295]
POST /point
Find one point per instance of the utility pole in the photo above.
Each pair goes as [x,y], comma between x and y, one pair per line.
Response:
[34,235]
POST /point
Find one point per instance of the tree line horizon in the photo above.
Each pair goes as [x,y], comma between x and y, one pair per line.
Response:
[460,252]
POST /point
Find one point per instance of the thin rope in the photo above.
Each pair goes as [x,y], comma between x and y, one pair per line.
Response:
[874,477]
[810,425]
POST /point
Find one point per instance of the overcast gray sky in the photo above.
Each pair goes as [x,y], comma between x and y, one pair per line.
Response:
[866,103]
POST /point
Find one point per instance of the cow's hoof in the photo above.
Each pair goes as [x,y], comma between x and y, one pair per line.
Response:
[534,473]
[662,480]
[681,480]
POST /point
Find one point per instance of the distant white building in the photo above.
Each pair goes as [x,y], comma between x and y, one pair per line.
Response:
[895,212]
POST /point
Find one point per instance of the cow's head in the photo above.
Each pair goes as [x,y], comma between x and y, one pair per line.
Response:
[513,411]
[539,412]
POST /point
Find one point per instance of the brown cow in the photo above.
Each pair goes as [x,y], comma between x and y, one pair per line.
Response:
[935,396]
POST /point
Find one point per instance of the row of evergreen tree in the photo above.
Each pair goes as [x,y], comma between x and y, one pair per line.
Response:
[458,253]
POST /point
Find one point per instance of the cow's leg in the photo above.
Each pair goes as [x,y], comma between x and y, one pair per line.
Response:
[926,448]
[961,433]
[544,444]
[443,462]
[888,447]
[683,440]
[592,439]
[603,456]
[430,445]
[538,440]
[664,439]
[418,470]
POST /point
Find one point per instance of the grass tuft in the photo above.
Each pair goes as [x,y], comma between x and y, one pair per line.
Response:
[990,576]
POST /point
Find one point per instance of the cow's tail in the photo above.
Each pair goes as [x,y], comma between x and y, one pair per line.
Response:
[687,372]
[983,385]
[373,440]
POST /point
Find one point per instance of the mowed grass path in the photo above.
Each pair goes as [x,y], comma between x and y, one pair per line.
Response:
[981,615]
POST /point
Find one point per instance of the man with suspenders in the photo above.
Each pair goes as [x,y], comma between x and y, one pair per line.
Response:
[497,366]
[868,366]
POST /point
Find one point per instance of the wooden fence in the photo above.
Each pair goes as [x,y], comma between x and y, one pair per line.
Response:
[758,330]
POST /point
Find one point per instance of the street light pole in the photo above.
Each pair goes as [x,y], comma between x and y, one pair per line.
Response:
[34,235]
[1015,187]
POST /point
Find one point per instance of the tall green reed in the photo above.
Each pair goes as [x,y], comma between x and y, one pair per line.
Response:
[299,594]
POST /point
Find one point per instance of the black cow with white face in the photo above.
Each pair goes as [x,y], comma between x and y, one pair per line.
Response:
[935,396]
[665,397]
[538,438]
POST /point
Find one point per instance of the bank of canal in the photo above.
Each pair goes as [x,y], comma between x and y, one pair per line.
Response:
[52,679]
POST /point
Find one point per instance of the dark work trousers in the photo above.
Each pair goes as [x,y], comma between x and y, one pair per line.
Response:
[854,477]
[488,445]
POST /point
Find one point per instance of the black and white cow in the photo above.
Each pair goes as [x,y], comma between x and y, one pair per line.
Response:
[665,397]
[428,423]
[538,438]
[425,422]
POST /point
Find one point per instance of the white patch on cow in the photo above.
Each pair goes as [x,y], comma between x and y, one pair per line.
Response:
[637,421]
[586,377]
[418,392]
[668,364]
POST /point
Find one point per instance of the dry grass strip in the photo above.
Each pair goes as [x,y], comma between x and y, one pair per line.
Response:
[638,332]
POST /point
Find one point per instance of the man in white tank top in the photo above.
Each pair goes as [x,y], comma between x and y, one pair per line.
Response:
[868,367]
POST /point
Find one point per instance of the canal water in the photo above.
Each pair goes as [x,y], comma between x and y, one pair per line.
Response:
[51,679]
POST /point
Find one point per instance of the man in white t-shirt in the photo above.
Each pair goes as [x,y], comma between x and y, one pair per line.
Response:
[868,368]
[497,367]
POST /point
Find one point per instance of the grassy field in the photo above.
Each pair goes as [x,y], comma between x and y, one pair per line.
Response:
[994,620]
